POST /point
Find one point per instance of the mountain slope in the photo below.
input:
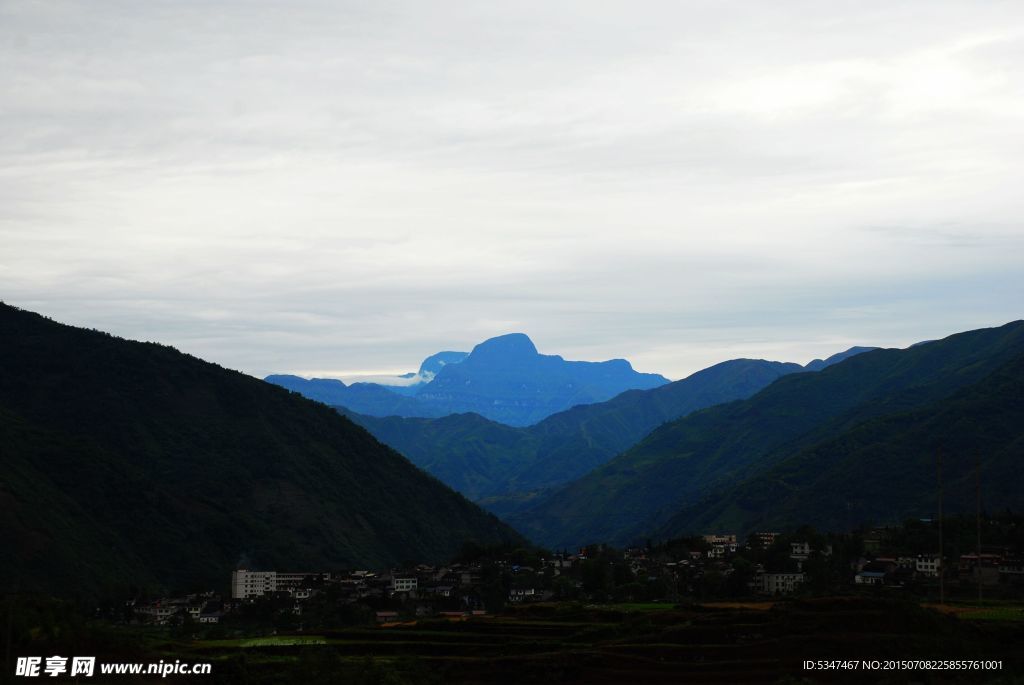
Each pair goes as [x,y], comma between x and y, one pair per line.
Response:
[127,463]
[819,364]
[885,468]
[486,460]
[369,398]
[680,463]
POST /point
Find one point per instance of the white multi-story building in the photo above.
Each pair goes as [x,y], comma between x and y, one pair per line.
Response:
[1011,570]
[927,565]
[247,584]
[799,550]
[404,584]
[162,610]
[720,545]
[522,594]
[780,583]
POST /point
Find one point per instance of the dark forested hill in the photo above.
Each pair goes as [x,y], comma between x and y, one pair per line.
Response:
[681,463]
[488,461]
[127,463]
[885,469]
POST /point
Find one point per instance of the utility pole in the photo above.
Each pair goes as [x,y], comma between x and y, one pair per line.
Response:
[942,561]
[977,493]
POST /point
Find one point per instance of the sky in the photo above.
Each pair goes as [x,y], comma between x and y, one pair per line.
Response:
[337,188]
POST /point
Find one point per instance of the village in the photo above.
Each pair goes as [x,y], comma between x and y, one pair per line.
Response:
[893,561]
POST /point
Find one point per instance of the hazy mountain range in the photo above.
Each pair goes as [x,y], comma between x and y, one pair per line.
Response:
[504,379]
[505,468]
[853,442]
[500,464]
[128,463]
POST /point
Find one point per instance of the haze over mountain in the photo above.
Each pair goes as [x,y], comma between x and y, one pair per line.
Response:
[126,463]
[410,383]
[373,399]
[654,487]
[504,379]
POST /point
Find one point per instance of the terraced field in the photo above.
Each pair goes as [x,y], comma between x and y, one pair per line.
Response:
[738,643]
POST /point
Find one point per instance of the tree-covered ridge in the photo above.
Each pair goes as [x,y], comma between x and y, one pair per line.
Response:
[888,467]
[681,463]
[498,464]
[132,463]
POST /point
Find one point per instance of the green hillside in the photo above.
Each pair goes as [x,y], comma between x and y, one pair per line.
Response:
[681,463]
[127,463]
[498,464]
[886,468]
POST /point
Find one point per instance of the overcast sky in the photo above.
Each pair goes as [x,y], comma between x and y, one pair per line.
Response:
[328,188]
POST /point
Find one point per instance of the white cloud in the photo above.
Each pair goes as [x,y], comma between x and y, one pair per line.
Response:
[356,185]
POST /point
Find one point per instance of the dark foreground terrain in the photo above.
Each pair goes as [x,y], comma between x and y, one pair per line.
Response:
[740,642]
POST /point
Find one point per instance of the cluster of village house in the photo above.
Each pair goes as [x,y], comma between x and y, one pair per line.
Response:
[434,591]
[454,590]
[203,608]
[992,566]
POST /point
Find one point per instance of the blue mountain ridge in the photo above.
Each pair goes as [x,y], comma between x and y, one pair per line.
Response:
[505,468]
[504,379]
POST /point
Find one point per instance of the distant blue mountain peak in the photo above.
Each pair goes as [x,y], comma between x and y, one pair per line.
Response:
[433,364]
[504,378]
[510,346]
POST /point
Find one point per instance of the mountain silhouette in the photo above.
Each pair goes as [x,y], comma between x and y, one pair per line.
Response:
[504,379]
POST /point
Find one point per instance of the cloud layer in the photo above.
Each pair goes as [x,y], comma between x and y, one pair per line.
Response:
[348,187]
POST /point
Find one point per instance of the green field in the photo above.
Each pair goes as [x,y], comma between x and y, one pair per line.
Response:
[635,606]
[987,611]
